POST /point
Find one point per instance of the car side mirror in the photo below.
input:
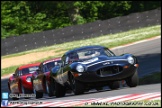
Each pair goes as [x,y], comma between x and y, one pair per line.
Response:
[62,64]
[66,63]
[14,75]
[38,71]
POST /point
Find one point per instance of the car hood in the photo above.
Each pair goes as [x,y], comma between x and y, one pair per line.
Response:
[103,61]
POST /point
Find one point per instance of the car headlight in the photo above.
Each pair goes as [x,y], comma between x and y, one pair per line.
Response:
[28,79]
[80,68]
[130,60]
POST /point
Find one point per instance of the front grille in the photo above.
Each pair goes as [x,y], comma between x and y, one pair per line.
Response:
[109,70]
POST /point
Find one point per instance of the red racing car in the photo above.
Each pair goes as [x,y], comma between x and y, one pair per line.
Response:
[20,82]
[42,83]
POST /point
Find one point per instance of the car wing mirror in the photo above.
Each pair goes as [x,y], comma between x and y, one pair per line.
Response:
[38,71]
[62,64]
[66,63]
[14,75]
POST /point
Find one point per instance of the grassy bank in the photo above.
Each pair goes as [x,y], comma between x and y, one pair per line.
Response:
[111,40]
[11,69]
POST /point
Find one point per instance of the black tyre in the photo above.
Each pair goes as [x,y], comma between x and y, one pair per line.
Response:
[99,88]
[77,86]
[50,89]
[60,90]
[38,94]
[114,85]
[86,90]
[133,80]
[25,91]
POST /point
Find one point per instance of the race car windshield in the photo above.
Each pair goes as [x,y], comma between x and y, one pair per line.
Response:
[29,70]
[50,65]
[85,54]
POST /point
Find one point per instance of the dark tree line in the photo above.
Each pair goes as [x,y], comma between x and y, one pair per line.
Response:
[23,17]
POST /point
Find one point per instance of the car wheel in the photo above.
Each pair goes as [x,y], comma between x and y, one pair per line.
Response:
[99,88]
[114,85]
[133,80]
[38,94]
[86,90]
[24,91]
[60,90]
[50,88]
[77,86]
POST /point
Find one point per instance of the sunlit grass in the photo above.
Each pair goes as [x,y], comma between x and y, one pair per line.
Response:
[11,69]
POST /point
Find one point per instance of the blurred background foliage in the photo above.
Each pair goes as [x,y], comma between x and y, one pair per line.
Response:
[24,17]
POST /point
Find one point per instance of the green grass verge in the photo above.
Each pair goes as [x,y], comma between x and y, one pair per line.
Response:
[111,40]
[155,77]
[143,103]
[10,70]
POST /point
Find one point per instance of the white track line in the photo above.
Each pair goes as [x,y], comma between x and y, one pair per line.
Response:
[129,44]
[158,98]
[135,97]
[111,98]
[81,102]
[51,103]
[143,98]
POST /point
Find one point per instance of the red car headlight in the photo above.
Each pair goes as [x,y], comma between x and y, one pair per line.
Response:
[28,79]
